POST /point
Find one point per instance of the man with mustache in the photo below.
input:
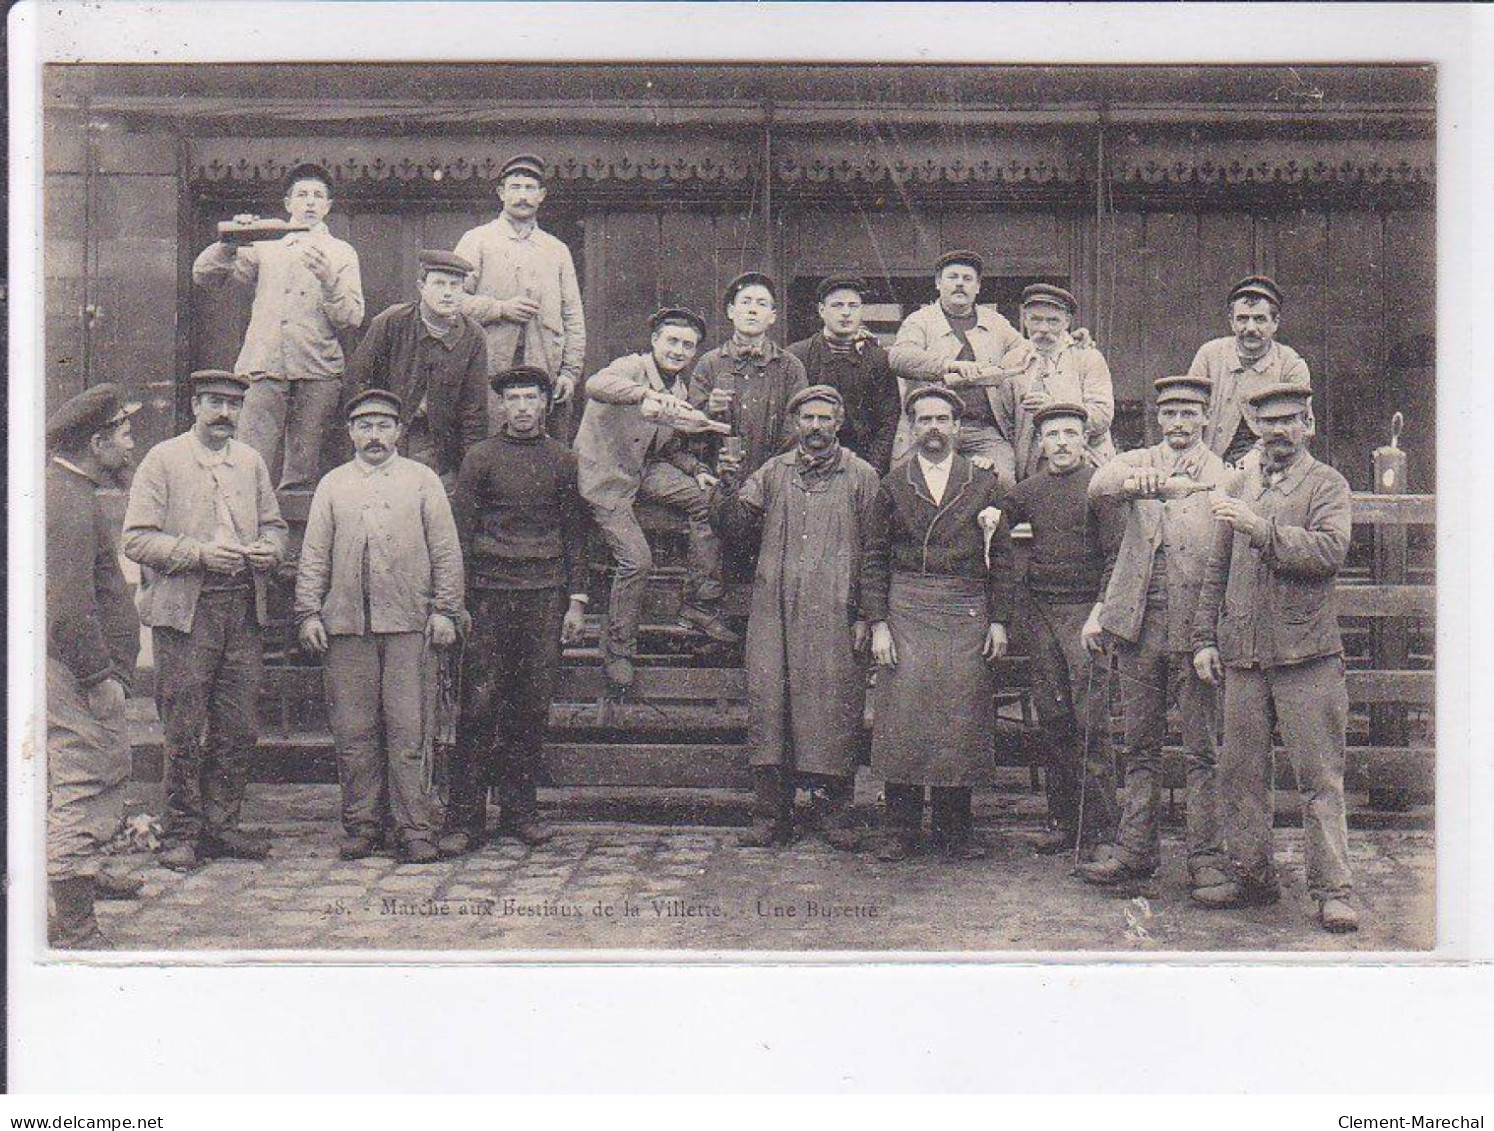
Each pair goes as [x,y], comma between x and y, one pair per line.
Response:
[92,637]
[1068,566]
[1241,365]
[627,449]
[1147,616]
[379,585]
[936,588]
[973,349]
[522,525]
[435,359]
[806,689]
[204,524]
[1067,369]
[525,293]
[307,287]
[847,357]
[1266,616]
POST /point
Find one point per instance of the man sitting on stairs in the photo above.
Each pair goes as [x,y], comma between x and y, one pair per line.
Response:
[629,447]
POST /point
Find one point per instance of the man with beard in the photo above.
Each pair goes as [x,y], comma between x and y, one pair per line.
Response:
[1148,615]
[806,689]
[307,287]
[204,525]
[1242,364]
[92,637]
[525,293]
[973,349]
[522,525]
[378,586]
[434,358]
[1266,615]
[846,356]
[629,447]
[1067,370]
[936,587]
[1073,546]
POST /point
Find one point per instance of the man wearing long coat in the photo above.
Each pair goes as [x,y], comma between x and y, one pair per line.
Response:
[806,687]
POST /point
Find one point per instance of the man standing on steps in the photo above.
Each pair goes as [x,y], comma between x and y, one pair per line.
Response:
[806,688]
[204,524]
[1148,618]
[522,525]
[378,587]
[1266,616]
[92,636]
[524,292]
[1242,364]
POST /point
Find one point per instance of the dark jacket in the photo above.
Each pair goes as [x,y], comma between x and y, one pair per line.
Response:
[399,353]
[910,534]
[1273,603]
[864,378]
[91,621]
[519,515]
[1074,539]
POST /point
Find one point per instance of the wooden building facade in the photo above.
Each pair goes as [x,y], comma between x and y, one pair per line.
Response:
[1146,190]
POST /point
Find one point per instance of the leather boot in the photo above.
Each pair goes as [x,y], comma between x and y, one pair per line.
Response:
[70,923]
[772,809]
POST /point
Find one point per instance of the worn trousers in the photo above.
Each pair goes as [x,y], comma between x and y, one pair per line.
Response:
[508,675]
[1150,676]
[663,483]
[207,688]
[950,821]
[381,693]
[292,415]
[1309,702]
[88,764]
[1070,690]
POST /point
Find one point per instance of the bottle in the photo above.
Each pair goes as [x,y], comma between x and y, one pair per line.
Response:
[1173,487]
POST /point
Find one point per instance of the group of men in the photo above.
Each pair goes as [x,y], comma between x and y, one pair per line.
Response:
[871,495]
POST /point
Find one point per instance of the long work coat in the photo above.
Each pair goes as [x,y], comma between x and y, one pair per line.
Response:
[805,689]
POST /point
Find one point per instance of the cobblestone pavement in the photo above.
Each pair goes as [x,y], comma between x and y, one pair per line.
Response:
[653,887]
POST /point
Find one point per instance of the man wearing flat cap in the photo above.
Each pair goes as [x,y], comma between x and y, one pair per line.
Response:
[1068,565]
[307,288]
[629,447]
[936,586]
[522,525]
[811,509]
[1266,616]
[204,524]
[1068,369]
[378,589]
[1244,363]
[435,359]
[958,343]
[92,636]
[524,292]
[1147,617]
[847,356]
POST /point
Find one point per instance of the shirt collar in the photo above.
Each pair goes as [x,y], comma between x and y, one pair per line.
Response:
[1293,474]
[209,458]
[927,464]
[512,232]
[1238,364]
[369,470]
[764,351]
[453,335]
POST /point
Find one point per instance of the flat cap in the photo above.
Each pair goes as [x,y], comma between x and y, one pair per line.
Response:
[218,381]
[960,255]
[307,171]
[832,283]
[524,164]
[1189,390]
[815,393]
[1057,409]
[1280,399]
[375,402]
[1051,295]
[749,279]
[943,392]
[1257,286]
[447,261]
[680,315]
[522,376]
[92,410]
